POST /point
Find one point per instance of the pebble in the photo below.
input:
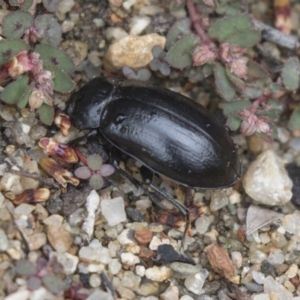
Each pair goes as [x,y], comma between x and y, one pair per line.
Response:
[114,266]
[291,223]
[21,294]
[113,210]
[24,209]
[59,237]
[219,199]
[140,271]
[278,240]
[67,260]
[261,297]
[115,33]
[276,290]
[194,283]
[186,297]
[56,220]
[237,259]
[138,24]
[12,183]
[3,241]
[129,259]
[113,247]
[132,51]
[276,257]
[130,280]
[99,294]
[171,292]
[185,269]
[143,236]
[292,271]
[65,6]
[30,183]
[158,273]
[258,277]
[126,293]
[124,238]
[267,181]
[36,241]
[94,280]
[253,287]
[202,224]
[128,3]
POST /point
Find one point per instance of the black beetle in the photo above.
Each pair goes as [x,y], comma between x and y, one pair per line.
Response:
[168,133]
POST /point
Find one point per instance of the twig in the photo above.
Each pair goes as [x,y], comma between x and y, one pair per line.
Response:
[277,37]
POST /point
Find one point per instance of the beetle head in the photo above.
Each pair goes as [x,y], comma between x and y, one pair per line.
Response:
[85,106]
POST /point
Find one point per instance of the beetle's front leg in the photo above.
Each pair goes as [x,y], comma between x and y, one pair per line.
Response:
[147,177]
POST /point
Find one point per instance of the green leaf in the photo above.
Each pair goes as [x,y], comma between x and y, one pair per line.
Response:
[224,85]
[51,56]
[94,162]
[10,48]
[223,28]
[207,69]
[234,122]
[25,97]
[13,91]
[62,82]
[24,5]
[291,74]
[236,106]
[180,55]
[256,70]
[46,114]
[96,182]
[15,23]
[49,28]
[294,122]
[51,5]
[252,92]
[237,81]
[245,39]
[180,28]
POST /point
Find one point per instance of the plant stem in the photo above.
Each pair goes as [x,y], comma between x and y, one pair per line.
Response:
[205,39]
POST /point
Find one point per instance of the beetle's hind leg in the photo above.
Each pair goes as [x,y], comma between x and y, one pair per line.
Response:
[147,177]
[115,158]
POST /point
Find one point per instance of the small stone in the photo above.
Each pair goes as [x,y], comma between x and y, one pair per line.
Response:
[77,50]
[129,259]
[99,294]
[56,220]
[276,290]
[171,292]
[130,280]
[41,212]
[24,209]
[220,261]
[292,271]
[140,271]
[258,277]
[94,280]
[253,287]
[264,238]
[113,247]
[65,6]
[155,242]
[261,297]
[143,236]
[60,238]
[67,260]
[278,240]
[257,144]
[186,297]
[36,241]
[219,199]
[21,294]
[126,293]
[128,3]
[202,224]
[12,183]
[146,253]
[185,269]
[93,57]
[158,273]
[123,237]
[132,51]
[194,283]
[291,223]
[276,257]
[267,181]
[3,241]
[113,210]
[138,24]
[237,259]
[114,266]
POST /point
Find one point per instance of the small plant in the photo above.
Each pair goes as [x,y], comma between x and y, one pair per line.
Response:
[219,47]
[94,171]
[158,63]
[30,61]
[141,75]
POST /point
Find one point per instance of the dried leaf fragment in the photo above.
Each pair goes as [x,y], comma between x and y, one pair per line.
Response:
[220,261]
[32,196]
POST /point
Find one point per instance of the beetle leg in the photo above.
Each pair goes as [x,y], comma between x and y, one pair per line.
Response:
[116,161]
[147,177]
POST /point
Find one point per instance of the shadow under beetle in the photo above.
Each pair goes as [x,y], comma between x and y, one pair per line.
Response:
[168,133]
